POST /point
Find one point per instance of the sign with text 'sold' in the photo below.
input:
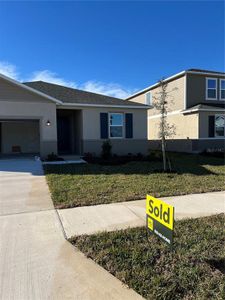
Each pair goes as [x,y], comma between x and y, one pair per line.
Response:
[160,218]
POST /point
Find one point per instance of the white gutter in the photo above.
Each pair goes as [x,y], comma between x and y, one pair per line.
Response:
[175,112]
[202,109]
[25,87]
[71,105]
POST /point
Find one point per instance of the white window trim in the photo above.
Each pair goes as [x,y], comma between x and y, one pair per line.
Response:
[206,88]
[222,99]
[116,113]
[218,137]
[150,98]
[185,91]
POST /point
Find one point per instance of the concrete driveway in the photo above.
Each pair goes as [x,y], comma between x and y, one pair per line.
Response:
[23,187]
[36,262]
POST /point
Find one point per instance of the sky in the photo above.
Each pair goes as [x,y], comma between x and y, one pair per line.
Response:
[110,47]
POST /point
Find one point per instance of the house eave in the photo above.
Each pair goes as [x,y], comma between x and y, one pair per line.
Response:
[185,112]
[75,105]
[157,84]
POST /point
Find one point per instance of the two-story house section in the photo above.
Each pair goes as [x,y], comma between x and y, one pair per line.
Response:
[196,108]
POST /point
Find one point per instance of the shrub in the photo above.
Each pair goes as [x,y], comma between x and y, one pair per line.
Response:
[53,157]
[89,157]
[106,150]
[154,155]
[216,152]
[139,156]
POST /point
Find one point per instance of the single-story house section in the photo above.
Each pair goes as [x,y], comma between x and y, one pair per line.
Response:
[41,118]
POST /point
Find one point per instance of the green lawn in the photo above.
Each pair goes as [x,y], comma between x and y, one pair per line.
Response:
[193,270]
[79,185]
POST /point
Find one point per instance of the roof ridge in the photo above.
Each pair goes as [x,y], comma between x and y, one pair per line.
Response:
[71,88]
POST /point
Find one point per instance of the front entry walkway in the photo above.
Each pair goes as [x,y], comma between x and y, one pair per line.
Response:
[36,262]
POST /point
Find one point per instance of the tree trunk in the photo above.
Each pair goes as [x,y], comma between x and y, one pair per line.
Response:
[164,154]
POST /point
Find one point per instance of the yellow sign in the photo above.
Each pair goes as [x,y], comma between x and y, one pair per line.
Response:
[160,211]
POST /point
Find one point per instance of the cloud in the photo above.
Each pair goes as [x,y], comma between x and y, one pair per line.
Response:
[9,70]
[109,89]
[52,77]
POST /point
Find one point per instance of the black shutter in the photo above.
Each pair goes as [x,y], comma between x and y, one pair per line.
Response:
[211,126]
[104,125]
[129,125]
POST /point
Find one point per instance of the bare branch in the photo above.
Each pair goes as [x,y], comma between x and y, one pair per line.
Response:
[161,103]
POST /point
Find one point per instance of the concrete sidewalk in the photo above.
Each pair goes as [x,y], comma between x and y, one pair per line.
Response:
[36,261]
[109,217]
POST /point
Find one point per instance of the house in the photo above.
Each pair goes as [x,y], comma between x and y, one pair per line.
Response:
[196,105]
[41,118]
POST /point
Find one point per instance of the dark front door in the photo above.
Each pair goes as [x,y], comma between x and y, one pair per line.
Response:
[0,137]
[64,135]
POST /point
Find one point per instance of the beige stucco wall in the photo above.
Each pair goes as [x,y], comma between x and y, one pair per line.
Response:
[91,122]
[16,103]
[176,92]
[91,132]
[204,122]
[22,134]
[196,89]
[186,126]
[88,125]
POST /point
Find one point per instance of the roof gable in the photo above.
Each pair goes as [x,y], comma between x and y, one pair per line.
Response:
[30,89]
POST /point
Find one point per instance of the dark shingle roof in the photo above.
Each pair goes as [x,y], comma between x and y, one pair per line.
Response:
[70,95]
[205,71]
[207,106]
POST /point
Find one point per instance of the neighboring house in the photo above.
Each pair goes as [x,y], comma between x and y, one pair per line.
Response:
[41,118]
[196,109]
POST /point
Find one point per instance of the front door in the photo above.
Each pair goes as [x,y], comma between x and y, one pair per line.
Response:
[64,135]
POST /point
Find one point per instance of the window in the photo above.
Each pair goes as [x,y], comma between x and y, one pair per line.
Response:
[148,98]
[211,88]
[116,125]
[222,89]
[219,126]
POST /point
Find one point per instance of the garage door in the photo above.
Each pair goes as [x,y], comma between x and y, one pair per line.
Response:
[19,136]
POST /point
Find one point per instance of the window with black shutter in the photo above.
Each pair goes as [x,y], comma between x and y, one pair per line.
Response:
[129,125]
[104,126]
[211,126]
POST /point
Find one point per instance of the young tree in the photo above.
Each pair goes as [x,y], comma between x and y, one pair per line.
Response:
[160,102]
